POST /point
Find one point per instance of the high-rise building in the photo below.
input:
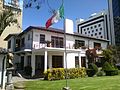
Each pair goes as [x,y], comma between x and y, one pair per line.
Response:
[15,6]
[97,26]
[114,13]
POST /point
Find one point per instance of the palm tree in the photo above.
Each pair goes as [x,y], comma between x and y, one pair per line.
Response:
[6,19]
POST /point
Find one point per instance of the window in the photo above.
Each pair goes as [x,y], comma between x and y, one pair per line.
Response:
[96,29]
[95,26]
[57,61]
[79,43]
[28,36]
[91,27]
[57,41]
[76,62]
[88,31]
[9,44]
[95,34]
[84,29]
[99,25]
[92,30]
[85,32]
[23,42]
[100,28]
[91,34]
[42,38]
[97,44]
[17,43]
[87,28]
[101,36]
[99,33]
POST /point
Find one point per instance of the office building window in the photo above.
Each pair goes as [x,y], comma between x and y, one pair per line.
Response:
[91,27]
[100,28]
[99,33]
[99,25]
[95,26]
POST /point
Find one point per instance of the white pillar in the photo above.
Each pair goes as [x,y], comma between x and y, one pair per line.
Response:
[50,61]
[65,60]
[79,59]
[86,62]
[45,61]
[33,63]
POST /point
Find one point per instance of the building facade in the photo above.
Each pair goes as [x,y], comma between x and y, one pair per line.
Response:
[96,26]
[43,48]
[114,13]
[16,28]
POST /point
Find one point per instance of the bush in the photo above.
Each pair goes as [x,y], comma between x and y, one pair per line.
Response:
[92,70]
[94,67]
[59,73]
[109,69]
[28,70]
[100,73]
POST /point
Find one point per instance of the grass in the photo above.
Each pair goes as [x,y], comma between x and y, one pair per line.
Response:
[90,83]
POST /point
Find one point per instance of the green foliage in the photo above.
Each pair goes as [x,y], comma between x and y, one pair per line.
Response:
[100,73]
[90,72]
[92,69]
[93,66]
[107,66]
[59,73]
[107,54]
[109,69]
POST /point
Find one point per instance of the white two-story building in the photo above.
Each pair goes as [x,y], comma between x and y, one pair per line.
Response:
[43,48]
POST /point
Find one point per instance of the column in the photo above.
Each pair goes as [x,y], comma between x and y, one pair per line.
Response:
[33,63]
[50,61]
[65,60]
[45,61]
[79,60]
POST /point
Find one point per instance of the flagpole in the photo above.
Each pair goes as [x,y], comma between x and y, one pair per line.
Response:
[66,75]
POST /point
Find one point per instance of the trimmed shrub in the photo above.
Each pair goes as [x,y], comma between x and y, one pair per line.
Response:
[109,69]
[92,70]
[100,73]
[59,73]
[94,67]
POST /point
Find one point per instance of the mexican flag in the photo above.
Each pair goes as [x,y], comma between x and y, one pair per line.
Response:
[56,17]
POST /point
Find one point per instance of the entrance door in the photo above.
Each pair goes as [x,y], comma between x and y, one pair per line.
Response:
[57,61]
[39,64]
[22,63]
[83,61]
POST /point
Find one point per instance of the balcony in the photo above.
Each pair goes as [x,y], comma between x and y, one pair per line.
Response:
[23,47]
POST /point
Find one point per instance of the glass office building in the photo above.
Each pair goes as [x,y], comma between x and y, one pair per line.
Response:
[114,14]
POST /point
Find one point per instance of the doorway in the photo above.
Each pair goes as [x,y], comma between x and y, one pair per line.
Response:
[39,64]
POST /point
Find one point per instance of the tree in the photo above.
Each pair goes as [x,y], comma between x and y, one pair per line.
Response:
[6,19]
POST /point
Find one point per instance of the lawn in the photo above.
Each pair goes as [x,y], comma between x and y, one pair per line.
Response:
[89,83]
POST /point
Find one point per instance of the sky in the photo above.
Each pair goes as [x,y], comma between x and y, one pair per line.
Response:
[73,9]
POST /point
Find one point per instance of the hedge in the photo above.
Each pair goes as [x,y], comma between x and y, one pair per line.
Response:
[109,69]
[59,73]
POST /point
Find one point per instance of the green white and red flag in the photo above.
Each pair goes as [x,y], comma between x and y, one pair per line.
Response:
[56,17]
